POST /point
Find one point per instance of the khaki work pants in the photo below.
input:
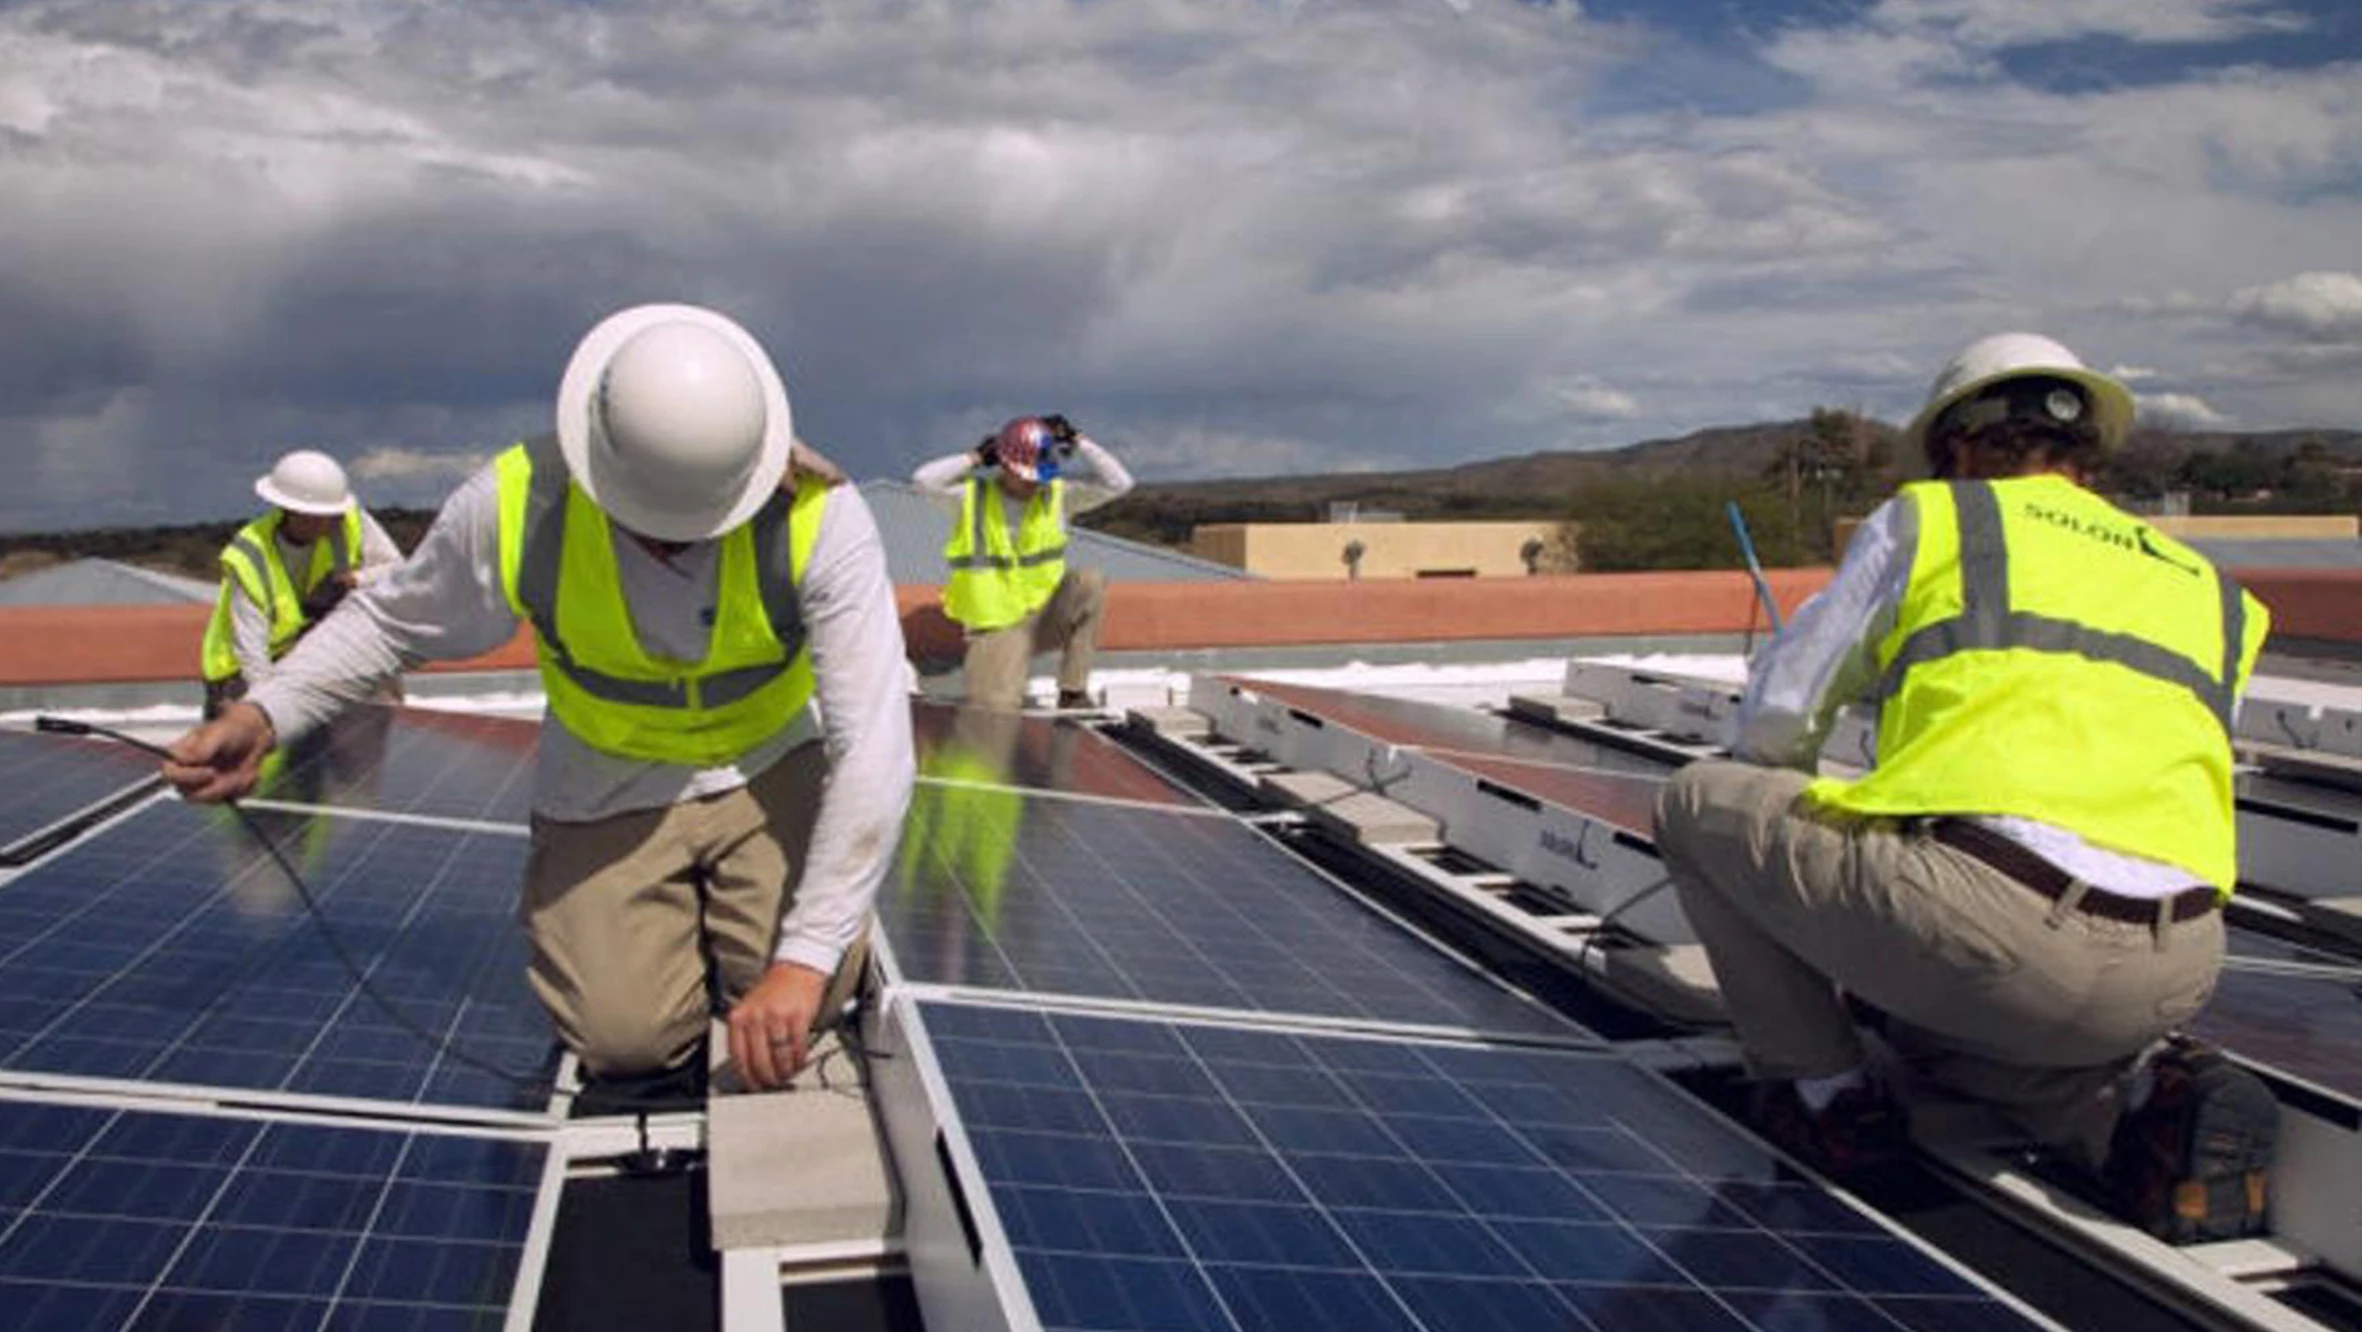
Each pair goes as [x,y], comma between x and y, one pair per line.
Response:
[642,922]
[999,659]
[1994,992]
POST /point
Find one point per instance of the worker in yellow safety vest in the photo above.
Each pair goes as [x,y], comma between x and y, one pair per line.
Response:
[1010,587]
[285,570]
[2027,883]
[719,646]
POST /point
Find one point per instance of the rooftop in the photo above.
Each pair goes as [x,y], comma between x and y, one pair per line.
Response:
[1320,983]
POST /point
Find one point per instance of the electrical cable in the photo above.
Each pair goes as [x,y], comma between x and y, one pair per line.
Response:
[530,1085]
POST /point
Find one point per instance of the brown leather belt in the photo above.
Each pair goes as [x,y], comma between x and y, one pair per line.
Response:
[1975,839]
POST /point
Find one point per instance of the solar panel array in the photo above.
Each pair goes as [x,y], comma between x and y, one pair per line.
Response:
[1004,890]
[412,761]
[2308,1025]
[58,777]
[1599,780]
[1178,1176]
[1037,753]
[168,948]
[122,1219]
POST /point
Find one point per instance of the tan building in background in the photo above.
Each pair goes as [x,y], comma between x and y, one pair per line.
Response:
[1384,549]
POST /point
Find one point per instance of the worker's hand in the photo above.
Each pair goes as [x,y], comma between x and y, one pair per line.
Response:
[1061,430]
[771,1028]
[329,593]
[988,451]
[222,759]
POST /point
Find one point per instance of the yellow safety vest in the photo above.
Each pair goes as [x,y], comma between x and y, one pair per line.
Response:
[557,567]
[997,581]
[962,829]
[2057,659]
[251,563]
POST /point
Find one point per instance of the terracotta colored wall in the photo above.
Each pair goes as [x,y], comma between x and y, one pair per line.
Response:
[108,644]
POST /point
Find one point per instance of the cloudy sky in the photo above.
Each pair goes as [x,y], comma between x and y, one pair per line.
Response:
[1227,237]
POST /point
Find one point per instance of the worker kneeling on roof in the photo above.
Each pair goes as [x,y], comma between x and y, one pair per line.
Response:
[2027,883]
[1009,587]
[728,754]
[283,572]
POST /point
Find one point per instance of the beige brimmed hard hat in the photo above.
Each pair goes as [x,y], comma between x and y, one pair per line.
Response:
[673,421]
[306,481]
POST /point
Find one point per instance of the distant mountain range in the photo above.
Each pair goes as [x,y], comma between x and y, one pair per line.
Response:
[1538,483]
[1535,484]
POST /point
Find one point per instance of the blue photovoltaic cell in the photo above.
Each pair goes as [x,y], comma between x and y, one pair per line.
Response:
[134,1220]
[999,890]
[1171,1177]
[1039,753]
[413,761]
[2308,1026]
[169,948]
[55,776]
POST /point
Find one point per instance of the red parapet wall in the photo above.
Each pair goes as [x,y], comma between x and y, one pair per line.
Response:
[113,644]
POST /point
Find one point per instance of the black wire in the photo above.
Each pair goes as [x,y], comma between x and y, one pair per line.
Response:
[1583,953]
[530,1085]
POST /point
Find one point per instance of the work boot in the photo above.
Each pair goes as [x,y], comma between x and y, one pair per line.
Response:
[1861,1130]
[1074,700]
[2193,1163]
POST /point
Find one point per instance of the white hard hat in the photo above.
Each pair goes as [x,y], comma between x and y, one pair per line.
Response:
[306,481]
[1989,360]
[672,420]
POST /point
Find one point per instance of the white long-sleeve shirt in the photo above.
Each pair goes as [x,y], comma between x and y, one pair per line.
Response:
[446,601]
[1825,657]
[250,625]
[945,480]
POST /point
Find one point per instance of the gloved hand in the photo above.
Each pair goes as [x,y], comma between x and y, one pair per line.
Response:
[988,452]
[1062,433]
[329,593]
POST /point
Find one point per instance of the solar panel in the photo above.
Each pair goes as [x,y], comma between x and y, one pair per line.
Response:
[168,948]
[1443,728]
[58,778]
[1599,780]
[412,761]
[1038,753]
[133,1219]
[2307,1025]
[1000,890]
[1173,1176]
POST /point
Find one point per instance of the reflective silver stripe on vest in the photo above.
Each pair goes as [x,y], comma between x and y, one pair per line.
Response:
[262,570]
[543,555]
[976,558]
[1986,623]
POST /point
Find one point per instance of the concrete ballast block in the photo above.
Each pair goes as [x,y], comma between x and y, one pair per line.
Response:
[796,1168]
[1375,820]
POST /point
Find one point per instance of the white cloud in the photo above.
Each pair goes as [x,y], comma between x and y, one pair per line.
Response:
[400,464]
[1584,399]
[2181,411]
[2324,307]
[1236,238]
[2005,23]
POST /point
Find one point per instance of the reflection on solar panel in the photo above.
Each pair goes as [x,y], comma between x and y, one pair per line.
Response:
[413,761]
[122,1219]
[1039,753]
[168,948]
[1001,890]
[1179,1177]
[1599,780]
[2310,1027]
[1444,728]
[55,777]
